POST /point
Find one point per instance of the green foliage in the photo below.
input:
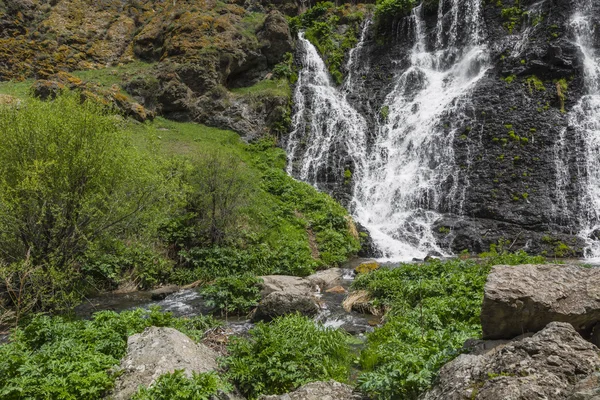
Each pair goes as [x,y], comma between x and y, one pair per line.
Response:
[533,82]
[176,386]
[233,295]
[394,8]
[287,353]
[286,69]
[434,307]
[513,17]
[54,358]
[270,231]
[384,112]
[509,79]
[69,177]
[321,27]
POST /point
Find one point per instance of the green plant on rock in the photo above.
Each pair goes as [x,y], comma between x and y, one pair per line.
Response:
[533,82]
[513,17]
[177,386]
[290,351]
[561,91]
[233,295]
[55,358]
[433,308]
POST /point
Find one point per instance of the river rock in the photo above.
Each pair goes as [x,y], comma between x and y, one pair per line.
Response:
[280,303]
[554,364]
[360,301]
[331,390]
[157,351]
[366,267]
[528,297]
[161,293]
[327,279]
[288,284]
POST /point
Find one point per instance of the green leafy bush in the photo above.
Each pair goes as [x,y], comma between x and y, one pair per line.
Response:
[433,308]
[233,295]
[287,353]
[54,358]
[387,9]
[177,386]
[321,26]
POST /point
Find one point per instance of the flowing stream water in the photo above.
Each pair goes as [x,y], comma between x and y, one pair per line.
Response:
[407,174]
[585,119]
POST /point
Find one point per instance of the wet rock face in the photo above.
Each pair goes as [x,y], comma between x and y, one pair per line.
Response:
[526,298]
[555,363]
[512,144]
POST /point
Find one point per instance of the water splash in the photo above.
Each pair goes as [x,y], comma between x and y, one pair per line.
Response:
[403,188]
[325,125]
[407,176]
[585,119]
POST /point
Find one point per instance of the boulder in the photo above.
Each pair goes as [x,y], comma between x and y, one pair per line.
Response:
[554,364]
[288,284]
[280,303]
[275,37]
[337,290]
[366,267]
[161,293]
[527,297]
[157,351]
[327,279]
[331,390]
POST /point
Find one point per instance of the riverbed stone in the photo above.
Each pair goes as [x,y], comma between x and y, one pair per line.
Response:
[288,284]
[281,303]
[327,279]
[366,267]
[161,293]
[553,364]
[331,390]
[525,298]
[157,351]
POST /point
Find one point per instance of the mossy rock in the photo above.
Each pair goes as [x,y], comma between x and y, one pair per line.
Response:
[366,267]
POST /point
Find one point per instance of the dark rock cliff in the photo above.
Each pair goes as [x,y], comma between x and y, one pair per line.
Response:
[513,143]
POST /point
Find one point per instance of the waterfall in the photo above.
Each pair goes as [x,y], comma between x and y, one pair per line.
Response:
[325,126]
[406,176]
[585,119]
[403,187]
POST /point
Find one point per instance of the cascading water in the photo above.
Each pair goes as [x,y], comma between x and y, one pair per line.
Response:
[585,119]
[412,160]
[324,124]
[407,174]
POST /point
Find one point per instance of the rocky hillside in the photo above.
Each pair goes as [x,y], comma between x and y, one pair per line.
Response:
[196,53]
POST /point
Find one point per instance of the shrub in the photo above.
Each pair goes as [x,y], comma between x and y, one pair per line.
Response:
[233,295]
[67,176]
[176,386]
[433,308]
[287,353]
[57,358]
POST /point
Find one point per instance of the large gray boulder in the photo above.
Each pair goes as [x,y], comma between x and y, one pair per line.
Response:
[525,298]
[331,390]
[157,351]
[327,279]
[554,364]
[287,284]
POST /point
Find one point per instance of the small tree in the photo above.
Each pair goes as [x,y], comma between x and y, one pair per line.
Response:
[220,189]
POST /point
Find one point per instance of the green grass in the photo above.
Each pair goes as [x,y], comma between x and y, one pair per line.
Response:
[278,214]
[267,87]
[19,90]
[114,75]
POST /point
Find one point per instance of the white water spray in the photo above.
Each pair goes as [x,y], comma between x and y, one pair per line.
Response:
[403,179]
[585,118]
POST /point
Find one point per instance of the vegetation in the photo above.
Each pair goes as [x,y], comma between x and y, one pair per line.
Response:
[90,201]
[321,25]
[176,386]
[55,358]
[233,295]
[433,308]
[287,353]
